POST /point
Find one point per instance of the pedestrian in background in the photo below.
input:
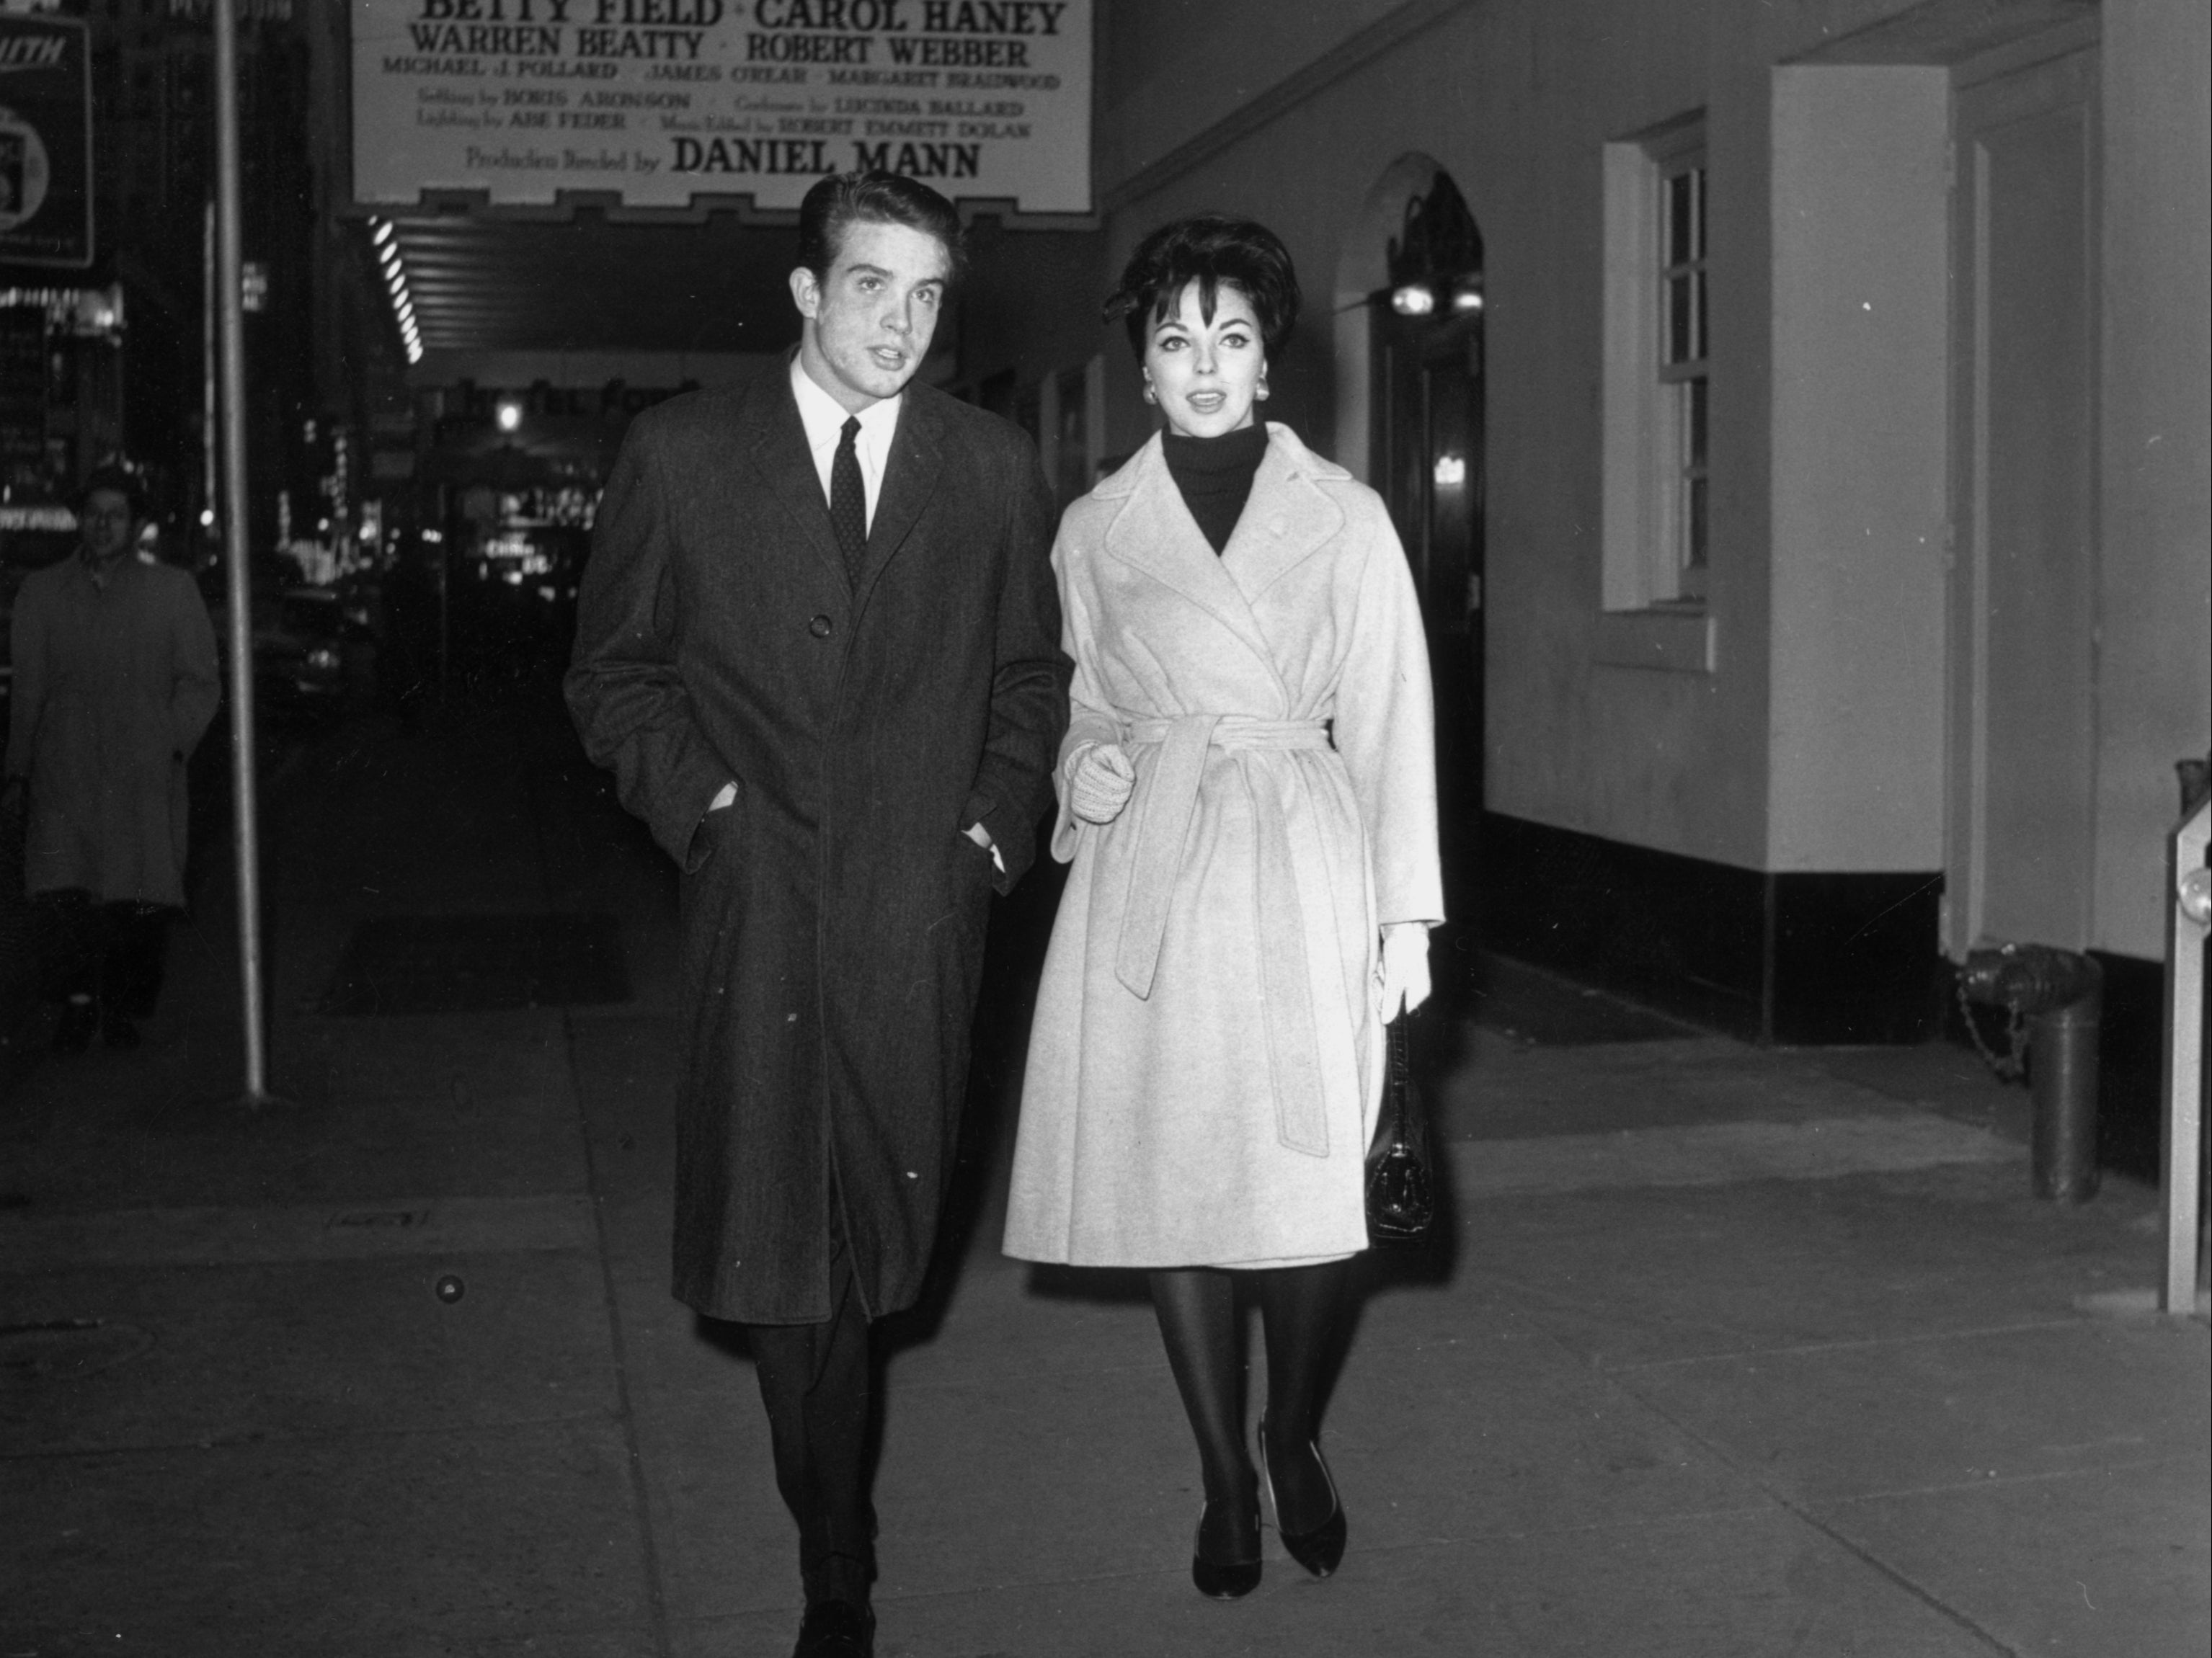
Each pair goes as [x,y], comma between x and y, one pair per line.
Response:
[1247,794]
[115,682]
[819,644]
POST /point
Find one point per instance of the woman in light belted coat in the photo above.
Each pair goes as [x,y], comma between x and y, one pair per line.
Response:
[1248,796]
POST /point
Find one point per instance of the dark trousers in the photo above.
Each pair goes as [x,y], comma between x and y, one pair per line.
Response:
[107,953]
[814,1382]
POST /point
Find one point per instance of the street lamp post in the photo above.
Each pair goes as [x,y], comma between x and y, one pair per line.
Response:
[229,310]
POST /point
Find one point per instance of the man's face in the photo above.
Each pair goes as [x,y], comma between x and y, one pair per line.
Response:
[105,522]
[869,322]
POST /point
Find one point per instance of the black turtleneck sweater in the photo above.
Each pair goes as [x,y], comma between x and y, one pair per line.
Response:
[1215,476]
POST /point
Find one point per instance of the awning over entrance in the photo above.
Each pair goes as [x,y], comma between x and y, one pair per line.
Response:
[590,284]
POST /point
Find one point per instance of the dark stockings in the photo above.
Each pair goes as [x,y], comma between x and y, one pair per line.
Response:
[1298,1308]
[814,1382]
[1197,1309]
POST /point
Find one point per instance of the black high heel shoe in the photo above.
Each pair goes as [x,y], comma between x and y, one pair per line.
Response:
[1223,1580]
[1321,1549]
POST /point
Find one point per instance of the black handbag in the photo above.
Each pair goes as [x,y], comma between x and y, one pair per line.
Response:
[1400,1188]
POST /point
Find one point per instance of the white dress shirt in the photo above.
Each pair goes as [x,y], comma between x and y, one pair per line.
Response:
[824,418]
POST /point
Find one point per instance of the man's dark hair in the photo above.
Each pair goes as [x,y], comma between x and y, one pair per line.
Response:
[842,199]
[117,480]
[1215,252]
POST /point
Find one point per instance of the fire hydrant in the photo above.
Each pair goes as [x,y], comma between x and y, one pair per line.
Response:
[2060,994]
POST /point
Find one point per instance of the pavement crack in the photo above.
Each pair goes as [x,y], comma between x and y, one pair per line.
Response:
[260,1439]
[1847,1345]
[641,1497]
[1994,1481]
[1757,1480]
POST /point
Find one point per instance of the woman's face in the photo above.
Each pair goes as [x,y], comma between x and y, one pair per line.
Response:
[1207,373]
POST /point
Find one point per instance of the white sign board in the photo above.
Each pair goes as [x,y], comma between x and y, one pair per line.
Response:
[665,101]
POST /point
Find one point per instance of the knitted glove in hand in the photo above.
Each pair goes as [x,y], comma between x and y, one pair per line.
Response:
[1099,781]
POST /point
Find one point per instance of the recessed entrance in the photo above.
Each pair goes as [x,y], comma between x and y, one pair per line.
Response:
[2023,702]
[1425,404]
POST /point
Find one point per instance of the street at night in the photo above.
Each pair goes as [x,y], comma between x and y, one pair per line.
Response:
[1105,829]
[1747,1348]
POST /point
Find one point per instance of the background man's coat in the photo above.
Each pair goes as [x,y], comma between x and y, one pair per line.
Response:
[114,685]
[1204,1067]
[832,918]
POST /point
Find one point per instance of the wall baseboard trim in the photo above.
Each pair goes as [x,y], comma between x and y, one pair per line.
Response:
[1794,958]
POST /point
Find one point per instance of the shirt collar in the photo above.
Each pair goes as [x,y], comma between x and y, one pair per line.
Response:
[824,417]
[94,572]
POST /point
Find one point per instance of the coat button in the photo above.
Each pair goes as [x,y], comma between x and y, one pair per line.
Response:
[819,627]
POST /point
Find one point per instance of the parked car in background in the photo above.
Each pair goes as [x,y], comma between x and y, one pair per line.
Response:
[314,648]
[321,651]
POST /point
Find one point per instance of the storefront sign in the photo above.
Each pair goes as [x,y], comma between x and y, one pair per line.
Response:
[49,518]
[46,142]
[667,102]
[22,393]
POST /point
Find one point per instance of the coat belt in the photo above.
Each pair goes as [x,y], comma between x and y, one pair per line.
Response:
[1293,1049]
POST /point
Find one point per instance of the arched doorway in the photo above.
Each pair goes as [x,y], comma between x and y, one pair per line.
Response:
[1420,312]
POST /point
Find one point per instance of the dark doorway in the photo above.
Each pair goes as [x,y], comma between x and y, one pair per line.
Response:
[1428,443]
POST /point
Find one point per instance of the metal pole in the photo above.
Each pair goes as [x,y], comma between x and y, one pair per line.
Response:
[230,316]
[2189,910]
[210,444]
[444,593]
[2062,1066]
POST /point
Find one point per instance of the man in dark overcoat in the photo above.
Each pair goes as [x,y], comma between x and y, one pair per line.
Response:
[818,642]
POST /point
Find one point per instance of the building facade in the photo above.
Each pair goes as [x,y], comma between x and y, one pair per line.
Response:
[1798,417]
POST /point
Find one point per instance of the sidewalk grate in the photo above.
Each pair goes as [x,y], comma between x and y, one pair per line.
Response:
[478,964]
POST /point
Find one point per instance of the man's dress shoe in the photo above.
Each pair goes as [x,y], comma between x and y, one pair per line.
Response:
[837,1629]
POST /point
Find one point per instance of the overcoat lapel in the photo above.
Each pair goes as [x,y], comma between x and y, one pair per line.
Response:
[775,440]
[1286,521]
[908,482]
[1154,532]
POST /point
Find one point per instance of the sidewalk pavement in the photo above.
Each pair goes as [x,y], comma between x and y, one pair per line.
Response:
[1723,1352]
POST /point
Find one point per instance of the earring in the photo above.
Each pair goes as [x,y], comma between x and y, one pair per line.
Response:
[1149,397]
[1261,392]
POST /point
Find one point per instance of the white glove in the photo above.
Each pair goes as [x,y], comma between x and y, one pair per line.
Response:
[1099,782]
[1402,977]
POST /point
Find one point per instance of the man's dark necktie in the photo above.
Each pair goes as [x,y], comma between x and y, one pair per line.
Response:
[848,503]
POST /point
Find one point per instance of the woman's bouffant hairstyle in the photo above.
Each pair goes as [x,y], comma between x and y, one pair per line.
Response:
[1214,251]
[843,199]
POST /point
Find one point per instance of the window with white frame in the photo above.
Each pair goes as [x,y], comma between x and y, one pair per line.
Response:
[1657,528]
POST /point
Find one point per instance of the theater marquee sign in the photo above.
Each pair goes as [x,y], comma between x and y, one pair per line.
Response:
[664,102]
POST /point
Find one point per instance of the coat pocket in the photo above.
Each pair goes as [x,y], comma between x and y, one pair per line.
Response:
[712,891]
[708,834]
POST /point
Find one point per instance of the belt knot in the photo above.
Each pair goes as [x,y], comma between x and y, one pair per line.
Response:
[1170,802]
